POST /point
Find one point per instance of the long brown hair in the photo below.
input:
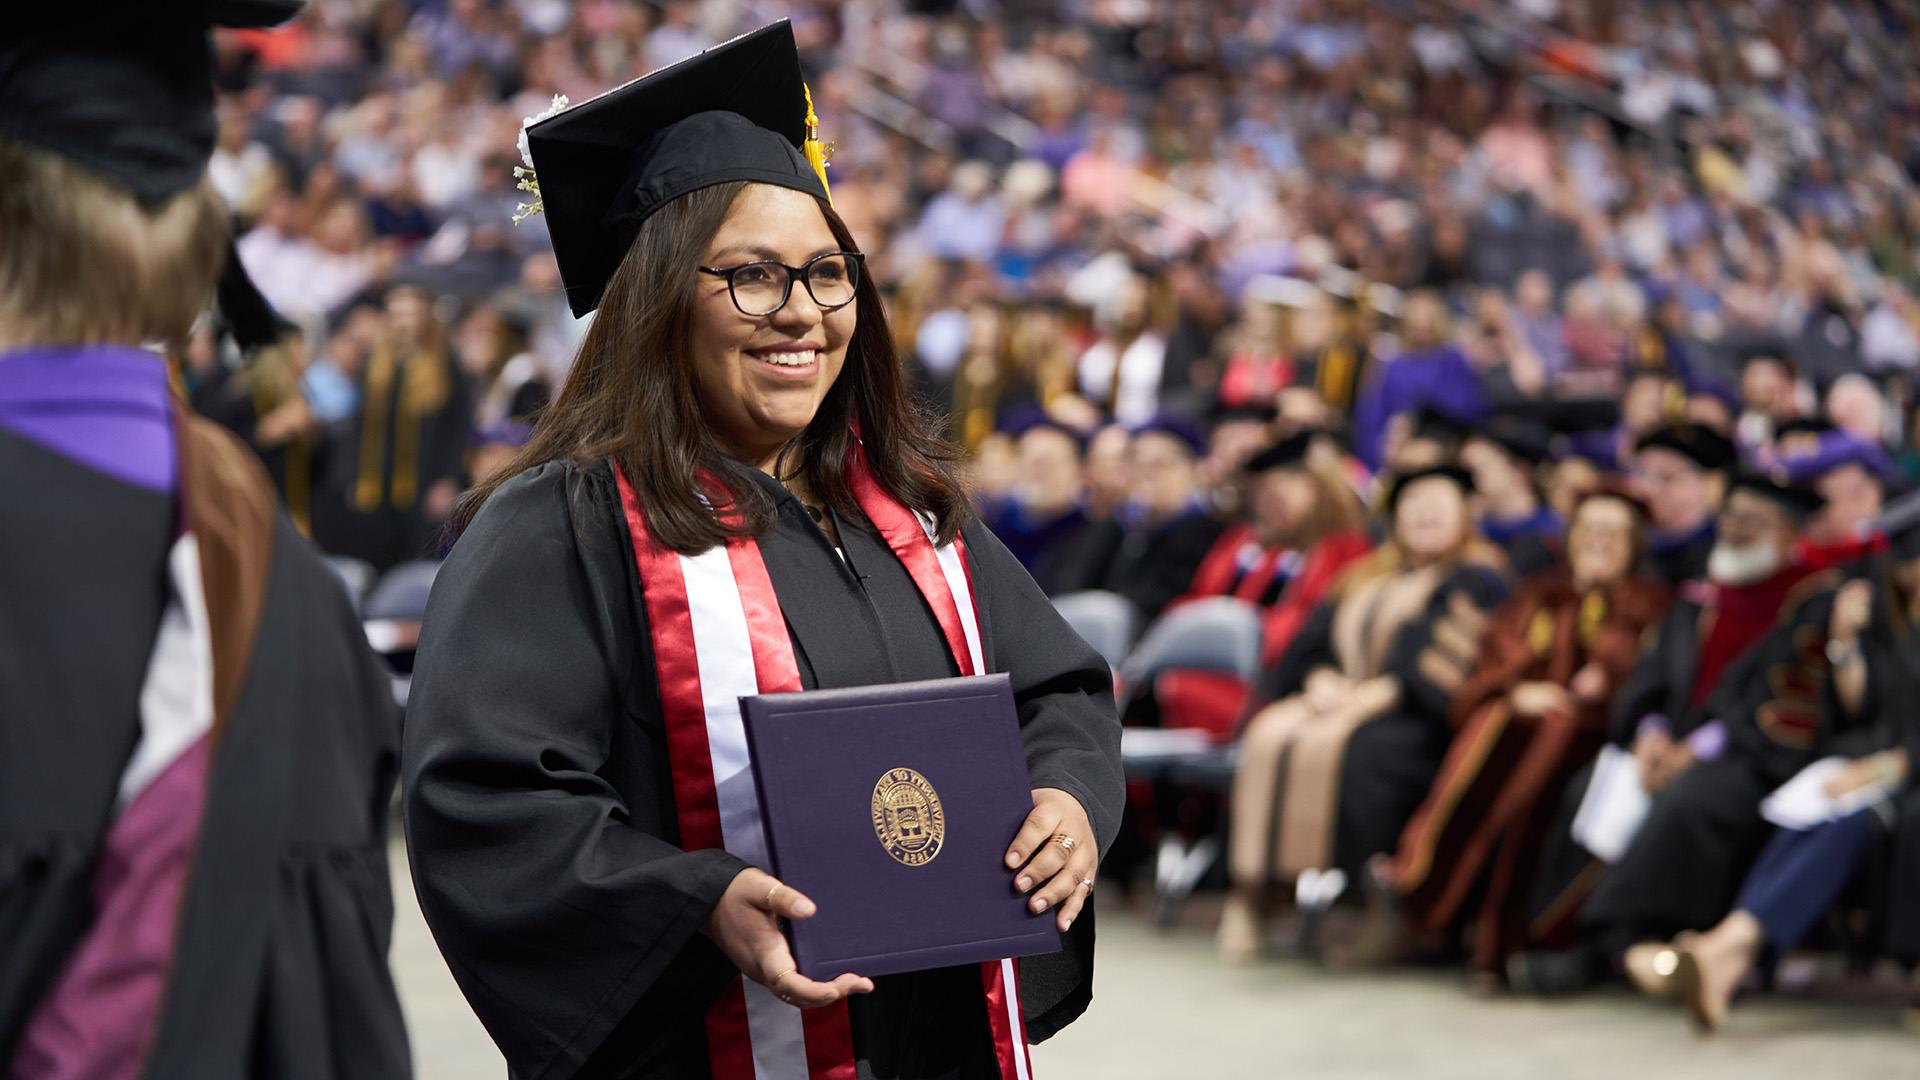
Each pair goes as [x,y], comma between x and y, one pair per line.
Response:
[631,397]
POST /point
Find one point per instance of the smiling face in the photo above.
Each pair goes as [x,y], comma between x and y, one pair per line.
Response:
[761,379]
[1601,540]
[1430,518]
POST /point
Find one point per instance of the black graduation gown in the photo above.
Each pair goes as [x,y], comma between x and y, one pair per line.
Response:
[1684,559]
[1152,566]
[540,812]
[280,965]
[293,466]
[1704,830]
[390,534]
[1661,684]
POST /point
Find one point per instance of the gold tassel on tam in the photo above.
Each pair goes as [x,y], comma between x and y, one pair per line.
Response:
[817,152]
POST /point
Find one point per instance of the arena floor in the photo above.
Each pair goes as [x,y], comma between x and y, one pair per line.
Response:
[1164,1008]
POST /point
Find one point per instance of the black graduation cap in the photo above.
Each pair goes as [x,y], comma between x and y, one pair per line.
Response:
[737,111]
[1804,425]
[1018,421]
[1798,500]
[248,314]
[1289,453]
[1439,426]
[1241,414]
[1703,446]
[1528,440]
[1567,416]
[1176,427]
[1455,473]
[122,88]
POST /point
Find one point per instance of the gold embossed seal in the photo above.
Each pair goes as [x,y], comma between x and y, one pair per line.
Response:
[907,817]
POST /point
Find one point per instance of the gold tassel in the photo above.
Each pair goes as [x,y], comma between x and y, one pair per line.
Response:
[817,152]
[373,429]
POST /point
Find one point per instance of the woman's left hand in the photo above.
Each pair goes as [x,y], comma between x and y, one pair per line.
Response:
[1054,856]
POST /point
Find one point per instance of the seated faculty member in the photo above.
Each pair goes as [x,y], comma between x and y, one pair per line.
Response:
[730,495]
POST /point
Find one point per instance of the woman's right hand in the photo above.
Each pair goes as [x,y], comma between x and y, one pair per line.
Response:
[746,926]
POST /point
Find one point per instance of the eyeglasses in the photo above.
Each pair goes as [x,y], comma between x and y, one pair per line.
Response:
[760,288]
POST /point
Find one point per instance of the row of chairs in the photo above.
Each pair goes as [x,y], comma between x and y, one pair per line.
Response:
[1198,662]
[391,607]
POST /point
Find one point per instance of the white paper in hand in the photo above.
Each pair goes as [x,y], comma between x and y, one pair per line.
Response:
[1614,807]
[1803,803]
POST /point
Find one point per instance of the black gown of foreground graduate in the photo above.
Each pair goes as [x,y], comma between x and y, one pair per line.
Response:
[540,809]
[279,968]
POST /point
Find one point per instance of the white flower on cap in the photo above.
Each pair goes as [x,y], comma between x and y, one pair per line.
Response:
[524,173]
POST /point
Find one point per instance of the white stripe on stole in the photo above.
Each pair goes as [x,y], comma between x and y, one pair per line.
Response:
[1015,1024]
[724,651]
[956,574]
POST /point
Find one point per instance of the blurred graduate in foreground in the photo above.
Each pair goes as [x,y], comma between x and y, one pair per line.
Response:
[199,746]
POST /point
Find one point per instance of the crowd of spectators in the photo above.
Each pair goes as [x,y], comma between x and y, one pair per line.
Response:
[1158,259]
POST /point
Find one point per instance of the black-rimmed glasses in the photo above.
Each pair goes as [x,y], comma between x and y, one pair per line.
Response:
[763,287]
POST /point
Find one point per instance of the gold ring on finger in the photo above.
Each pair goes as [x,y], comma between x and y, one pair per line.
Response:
[1088,882]
[1066,842]
[768,902]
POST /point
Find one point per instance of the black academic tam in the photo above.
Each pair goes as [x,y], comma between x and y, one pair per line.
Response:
[540,811]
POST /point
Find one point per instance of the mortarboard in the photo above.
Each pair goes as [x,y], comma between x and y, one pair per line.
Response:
[122,89]
[1439,426]
[1177,428]
[1706,386]
[248,314]
[1835,450]
[1799,501]
[738,111]
[1018,421]
[1289,453]
[1241,414]
[1701,445]
[1459,476]
[1528,440]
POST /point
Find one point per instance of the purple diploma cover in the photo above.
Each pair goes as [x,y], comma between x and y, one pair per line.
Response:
[892,807]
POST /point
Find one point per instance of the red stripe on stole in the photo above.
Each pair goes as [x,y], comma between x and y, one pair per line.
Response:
[828,1031]
[908,539]
[695,803]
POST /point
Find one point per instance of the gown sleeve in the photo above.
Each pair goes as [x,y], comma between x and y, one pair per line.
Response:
[538,803]
[1061,687]
[1504,656]
[1063,691]
[1645,691]
[1433,654]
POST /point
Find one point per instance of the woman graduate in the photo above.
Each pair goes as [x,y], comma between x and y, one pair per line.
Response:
[730,495]
[1331,771]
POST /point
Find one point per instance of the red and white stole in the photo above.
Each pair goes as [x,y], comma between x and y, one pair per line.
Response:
[718,634]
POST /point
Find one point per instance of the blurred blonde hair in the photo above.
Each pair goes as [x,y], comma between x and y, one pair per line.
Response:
[83,262]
